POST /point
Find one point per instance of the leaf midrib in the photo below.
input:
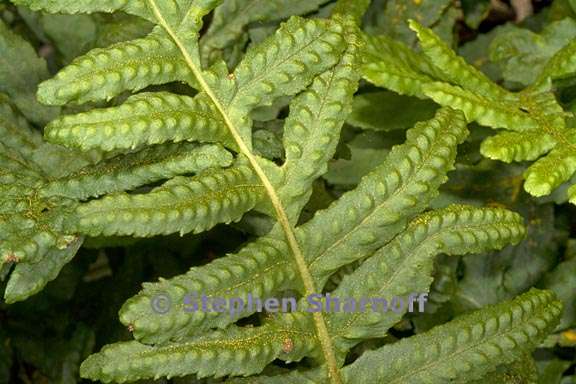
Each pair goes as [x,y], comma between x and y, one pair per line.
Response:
[282,217]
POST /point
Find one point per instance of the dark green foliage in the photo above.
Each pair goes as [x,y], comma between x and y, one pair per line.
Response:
[157,154]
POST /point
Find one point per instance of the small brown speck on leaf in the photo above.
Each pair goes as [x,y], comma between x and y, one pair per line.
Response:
[287,345]
[11,258]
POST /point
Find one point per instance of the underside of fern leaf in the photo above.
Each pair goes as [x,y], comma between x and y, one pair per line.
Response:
[209,119]
[466,348]
[430,145]
[536,122]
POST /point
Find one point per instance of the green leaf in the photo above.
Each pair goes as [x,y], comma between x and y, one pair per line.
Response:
[144,119]
[476,52]
[559,66]
[391,64]
[104,73]
[447,79]
[391,271]
[522,370]
[454,68]
[31,226]
[475,11]
[20,72]
[378,209]
[498,276]
[233,351]
[351,8]
[181,205]
[398,190]
[235,275]
[15,132]
[517,146]
[75,35]
[550,172]
[312,129]
[231,19]
[312,46]
[476,107]
[559,280]
[430,13]
[125,172]
[243,123]
[134,7]
[552,371]
[28,279]
[522,54]
[466,348]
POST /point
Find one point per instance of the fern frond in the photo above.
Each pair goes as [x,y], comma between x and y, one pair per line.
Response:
[466,348]
[182,205]
[371,215]
[312,130]
[550,134]
[534,114]
[559,66]
[15,167]
[133,65]
[180,158]
[456,230]
[30,225]
[355,9]
[17,192]
[125,172]
[517,146]
[144,119]
[231,18]
[522,54]
[286,63]
[550,172]
[292,58]
[390,272]
[32,234]
[24,151]
[391,64]
[21,70]
[495,113]
[311,46]
[454,68]
[29,278]
[264,92]
[15,132]
[134,7]
[104,73]
[397,190]
[259,269]
[248,277]
[233,351]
